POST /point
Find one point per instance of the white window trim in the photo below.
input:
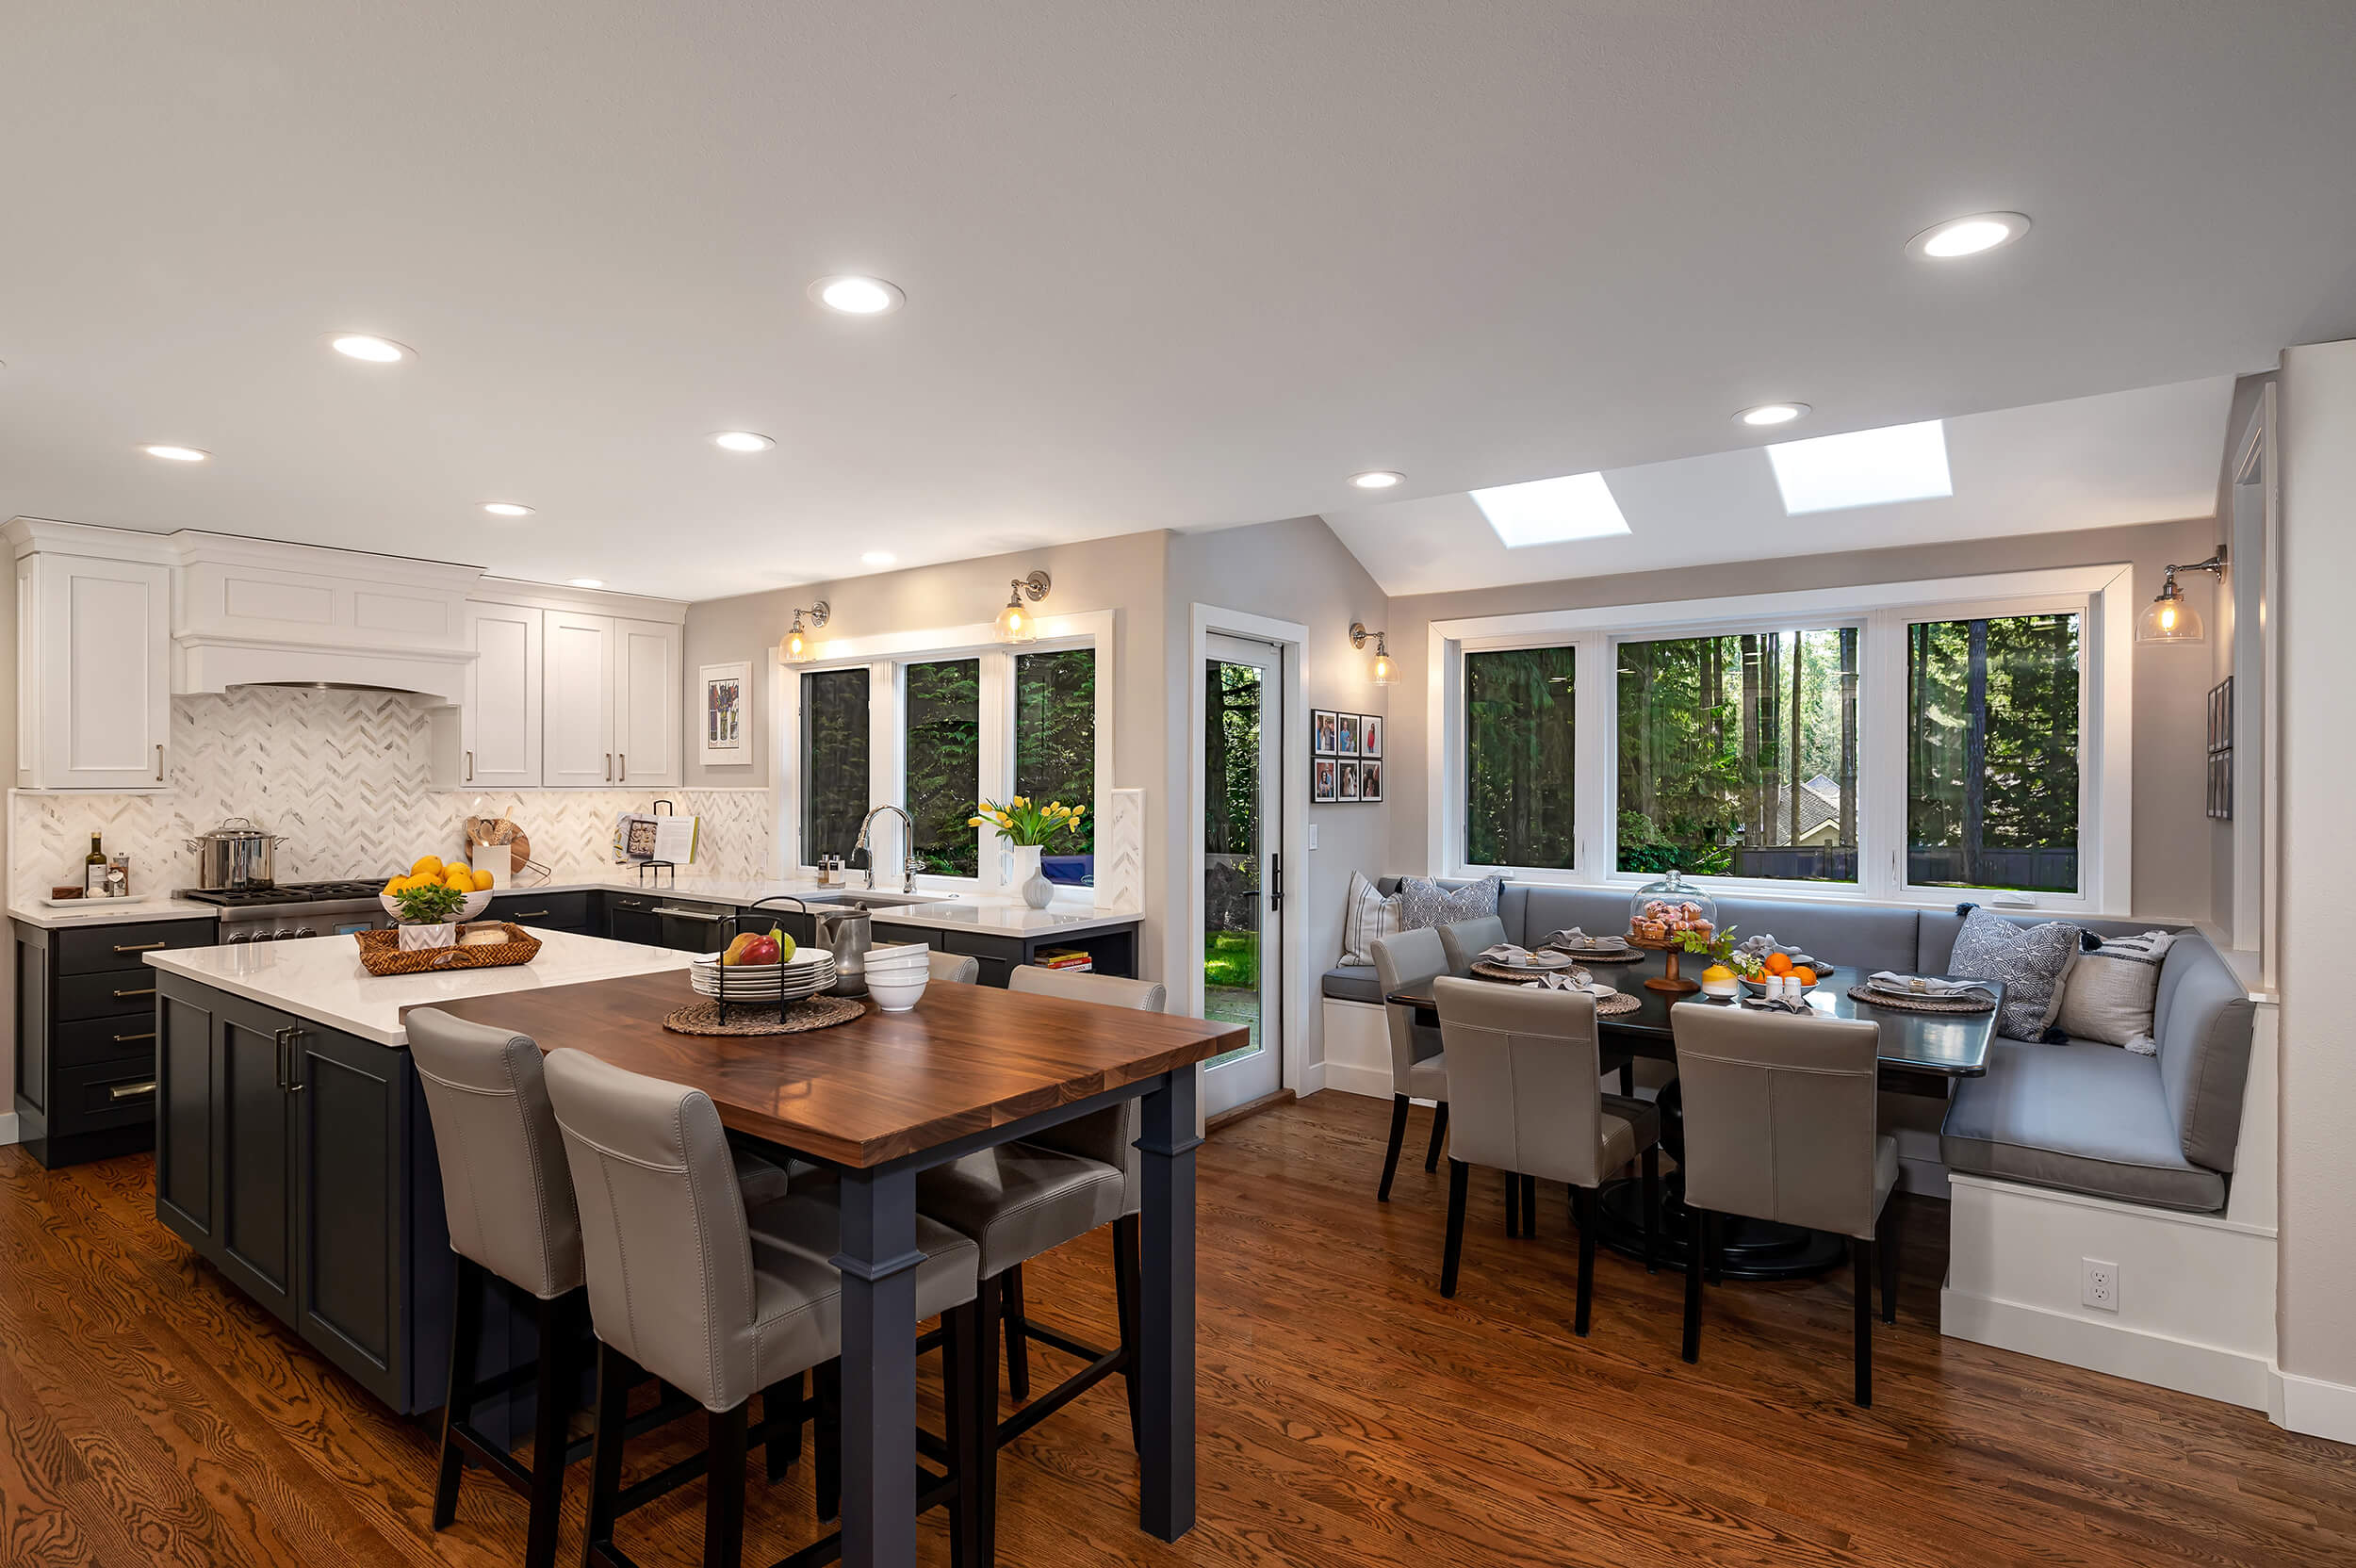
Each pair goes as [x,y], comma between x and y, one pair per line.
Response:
[2105,595]
[886,655]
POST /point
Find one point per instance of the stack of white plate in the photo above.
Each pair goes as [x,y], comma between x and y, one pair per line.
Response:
[808,972]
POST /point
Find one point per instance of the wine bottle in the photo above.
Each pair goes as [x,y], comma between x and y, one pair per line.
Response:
[94,870]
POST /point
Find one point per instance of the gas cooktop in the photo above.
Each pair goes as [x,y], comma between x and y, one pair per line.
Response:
[284,893]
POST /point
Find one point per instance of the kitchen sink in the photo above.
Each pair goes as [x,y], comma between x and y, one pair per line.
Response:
[862,898]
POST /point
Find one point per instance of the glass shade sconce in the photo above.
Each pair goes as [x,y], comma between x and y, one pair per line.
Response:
[797,644]
[1015,624]
[1384,670]
[2169,619]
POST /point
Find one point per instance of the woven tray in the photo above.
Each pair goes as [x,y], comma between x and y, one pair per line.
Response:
[1919,1003]
[381,954]
[760,1018]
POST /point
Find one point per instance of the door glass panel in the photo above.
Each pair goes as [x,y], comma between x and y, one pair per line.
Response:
[1234,900]
[943,761]
[834,761]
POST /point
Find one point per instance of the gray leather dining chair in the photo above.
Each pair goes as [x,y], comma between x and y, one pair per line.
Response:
[1525,1079]
[1419,1070]
[508,1197]
[720,1306]
[1466,940]
[956,969]
[1779,1125]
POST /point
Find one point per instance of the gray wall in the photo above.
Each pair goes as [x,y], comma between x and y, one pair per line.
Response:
[2171,827]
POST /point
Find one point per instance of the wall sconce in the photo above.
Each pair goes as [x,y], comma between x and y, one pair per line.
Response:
[1383,672]
[2169,619]
[795,645]
[1016,624]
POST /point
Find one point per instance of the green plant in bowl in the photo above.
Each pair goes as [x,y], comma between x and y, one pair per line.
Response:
[430,905]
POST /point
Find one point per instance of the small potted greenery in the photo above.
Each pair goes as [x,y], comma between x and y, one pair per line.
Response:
[428,916]
[1028,829]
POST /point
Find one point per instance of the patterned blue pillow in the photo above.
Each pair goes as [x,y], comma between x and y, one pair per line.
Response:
[1425,903]
[2032,963]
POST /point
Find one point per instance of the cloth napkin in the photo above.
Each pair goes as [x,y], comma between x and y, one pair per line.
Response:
[1781,1005]
[1574,937]
[1559,980]
[1508,953]
[1764,943]
[1927,985]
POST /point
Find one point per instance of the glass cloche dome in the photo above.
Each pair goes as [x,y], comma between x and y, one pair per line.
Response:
[1665,910]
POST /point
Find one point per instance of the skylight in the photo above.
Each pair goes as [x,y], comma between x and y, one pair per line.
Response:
[1866,467]
[1548,511]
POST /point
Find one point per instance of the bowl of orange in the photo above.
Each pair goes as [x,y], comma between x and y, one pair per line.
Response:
[474,886]
[1809,975]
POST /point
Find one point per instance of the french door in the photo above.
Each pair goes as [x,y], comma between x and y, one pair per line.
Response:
[1243,803]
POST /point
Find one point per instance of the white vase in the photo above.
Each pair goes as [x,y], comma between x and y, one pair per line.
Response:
[1033,882]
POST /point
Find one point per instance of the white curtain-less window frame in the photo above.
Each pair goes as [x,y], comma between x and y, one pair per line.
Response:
[2102,596]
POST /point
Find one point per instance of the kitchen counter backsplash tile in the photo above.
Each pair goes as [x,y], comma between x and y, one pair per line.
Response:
[345,778]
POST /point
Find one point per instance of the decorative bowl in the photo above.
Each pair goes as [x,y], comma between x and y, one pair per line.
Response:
[475,905]
[895,995]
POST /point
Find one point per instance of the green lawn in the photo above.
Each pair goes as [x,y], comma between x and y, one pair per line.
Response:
[1231,960]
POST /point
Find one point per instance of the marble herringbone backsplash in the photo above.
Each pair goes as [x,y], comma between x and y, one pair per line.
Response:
[345,778]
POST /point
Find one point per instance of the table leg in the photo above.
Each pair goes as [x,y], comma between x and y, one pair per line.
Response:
[1166,1308]
[878,1263]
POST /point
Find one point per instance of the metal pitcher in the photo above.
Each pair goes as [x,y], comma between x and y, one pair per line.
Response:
[848,933]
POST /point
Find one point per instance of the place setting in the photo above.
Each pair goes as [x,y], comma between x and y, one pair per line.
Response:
[1508,963]
[1924,994]
[1609,949]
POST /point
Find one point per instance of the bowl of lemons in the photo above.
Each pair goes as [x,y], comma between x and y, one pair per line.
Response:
[433,894]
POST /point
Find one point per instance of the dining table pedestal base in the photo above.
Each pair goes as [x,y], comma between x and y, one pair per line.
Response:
[1752,1248]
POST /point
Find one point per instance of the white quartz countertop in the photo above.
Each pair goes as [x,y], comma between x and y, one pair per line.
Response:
[322,979]
[108,911]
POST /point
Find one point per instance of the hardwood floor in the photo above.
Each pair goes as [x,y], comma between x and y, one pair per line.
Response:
[1348,1416]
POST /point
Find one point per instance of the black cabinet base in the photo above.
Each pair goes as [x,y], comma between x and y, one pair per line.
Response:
[81,1148]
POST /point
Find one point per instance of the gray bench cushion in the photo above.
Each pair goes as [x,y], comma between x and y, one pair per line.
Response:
[1353,982]
[2082,1117]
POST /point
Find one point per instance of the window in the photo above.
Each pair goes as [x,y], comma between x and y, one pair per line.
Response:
[1518,756]
[1738,754]
[834,761]
[1992,753]
[1055,750]
[942,712]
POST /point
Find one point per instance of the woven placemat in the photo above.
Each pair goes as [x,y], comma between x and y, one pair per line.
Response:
[1622,1002]
[1920,1003]
[1510,974]
[757,1018]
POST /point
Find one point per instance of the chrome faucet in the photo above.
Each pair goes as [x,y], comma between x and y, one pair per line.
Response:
[910,862]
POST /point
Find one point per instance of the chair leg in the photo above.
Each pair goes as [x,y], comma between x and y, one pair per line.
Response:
[1716,1249]
[1652,1204]
[724,1488]
[1126,1257]
[1018,1342]
[1861,1252]
[466,1292]
[981,1516]
[614,1376]
[1530,1206]
[1513,1205]
[1697,1231]
[783,1399]
[1458,1177]
[1439,1135]
[1886,1247]
[827,1484]
[553,1401]
[1398,1136]
[1586,1205]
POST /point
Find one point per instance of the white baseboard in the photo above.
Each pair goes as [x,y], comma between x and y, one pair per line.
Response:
[1351,1078]
[8,1133]
[2311,1405]
[1312,1080]
[2210,1371]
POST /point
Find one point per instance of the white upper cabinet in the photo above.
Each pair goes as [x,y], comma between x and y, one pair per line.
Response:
[578,719]
[500,720]
[93,672]
[646,703]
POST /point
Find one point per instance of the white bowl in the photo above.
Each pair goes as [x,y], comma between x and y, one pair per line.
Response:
[921,964]
[895,996]
[474,906]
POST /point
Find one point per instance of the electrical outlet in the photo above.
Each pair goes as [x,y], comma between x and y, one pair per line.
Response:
[2098,1287]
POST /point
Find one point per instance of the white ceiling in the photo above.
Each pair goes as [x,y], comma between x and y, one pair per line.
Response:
[1166,265]
[2128,457]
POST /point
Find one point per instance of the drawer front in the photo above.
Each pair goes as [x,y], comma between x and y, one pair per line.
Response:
[105,947]
[922,935]
[551,911]
[125,992]
[91,1100]
[90,1042]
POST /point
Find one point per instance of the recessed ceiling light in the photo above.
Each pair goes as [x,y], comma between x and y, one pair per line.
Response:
[1969,236]
[1549,511]
[177,454]
[1866,467]
[742,441]
[878,557]
[506,509]
[858,296]
[1377,479]
[375,350]
[1771,414]
[586,581]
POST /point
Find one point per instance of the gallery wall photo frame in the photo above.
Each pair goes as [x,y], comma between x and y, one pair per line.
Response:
[728,710]
[1325,780]
[1345,757]
[1324,731]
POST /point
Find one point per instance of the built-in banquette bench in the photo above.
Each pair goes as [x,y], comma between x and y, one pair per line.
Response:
[2085,1117]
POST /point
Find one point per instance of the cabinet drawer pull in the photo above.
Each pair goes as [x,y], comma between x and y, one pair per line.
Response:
[470,779]
[529,914]
[703,916]
[159,779]
[126,996]
[137,947]
[131,1091]
[126,1039]
[625,757]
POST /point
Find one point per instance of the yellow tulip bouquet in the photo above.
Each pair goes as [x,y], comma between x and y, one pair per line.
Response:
[1024,824]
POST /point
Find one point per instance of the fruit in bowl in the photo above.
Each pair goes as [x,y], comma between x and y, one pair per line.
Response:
[772,946]
[435,894]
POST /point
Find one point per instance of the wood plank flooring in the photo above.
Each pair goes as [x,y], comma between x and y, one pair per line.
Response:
[1348,1416]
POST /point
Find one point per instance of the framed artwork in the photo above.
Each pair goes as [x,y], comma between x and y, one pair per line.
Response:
[726,710]
[1348,747]
[1369,781]
[1369,734]
[1324,731]
[1326,783]
[1349,779]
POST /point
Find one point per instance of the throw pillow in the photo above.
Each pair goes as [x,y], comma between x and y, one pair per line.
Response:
[1366,918]
[2032,963]
[2111,989]
[1424,902]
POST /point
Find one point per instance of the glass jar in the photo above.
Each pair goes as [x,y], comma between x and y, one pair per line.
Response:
[1666,909]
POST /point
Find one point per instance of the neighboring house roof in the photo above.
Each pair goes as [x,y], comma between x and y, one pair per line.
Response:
[1820,809]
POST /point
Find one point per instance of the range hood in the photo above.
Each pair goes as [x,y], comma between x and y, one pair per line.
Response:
[218,664]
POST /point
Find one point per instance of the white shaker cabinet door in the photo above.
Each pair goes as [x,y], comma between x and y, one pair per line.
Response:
[94,664]
[578,724]
[646,703]
[501,725]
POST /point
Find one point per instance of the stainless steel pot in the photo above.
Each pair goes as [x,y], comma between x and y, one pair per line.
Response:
[234,857]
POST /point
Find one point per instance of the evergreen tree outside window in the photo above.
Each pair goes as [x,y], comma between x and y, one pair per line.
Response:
[1518,758]
[1055,750]
[834,761]
[1992,753]
[942,719]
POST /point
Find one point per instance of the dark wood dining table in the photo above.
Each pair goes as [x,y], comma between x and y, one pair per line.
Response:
[882,1098]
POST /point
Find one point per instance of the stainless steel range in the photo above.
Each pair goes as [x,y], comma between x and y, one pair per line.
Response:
[295,909]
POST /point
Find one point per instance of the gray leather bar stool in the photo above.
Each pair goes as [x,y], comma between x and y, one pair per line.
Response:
[1525,1081]
[956,969]
[1022,1198]
[1419,1070]
[1780,1124]
[684,1285]
[508,1197]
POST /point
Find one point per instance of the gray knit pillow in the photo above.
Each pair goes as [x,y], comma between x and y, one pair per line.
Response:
[1425,903]
[2032,963]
